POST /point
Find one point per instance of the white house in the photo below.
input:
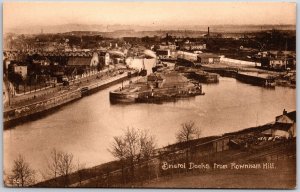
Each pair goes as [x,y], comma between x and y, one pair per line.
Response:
[285,125]
[94,60]
[21,69]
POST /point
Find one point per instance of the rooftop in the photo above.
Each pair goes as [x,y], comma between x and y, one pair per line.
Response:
[281,126]
[292,115]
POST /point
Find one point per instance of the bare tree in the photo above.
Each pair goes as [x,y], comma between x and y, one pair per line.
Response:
[135,145]
[22,174]
[60,164]
[65,166]
[52,171]
[80,171]
[131,138]
[148,145]
[6,179]
[188,132]
[118,150]
[53,163]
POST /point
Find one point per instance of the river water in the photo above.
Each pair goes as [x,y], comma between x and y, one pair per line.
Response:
[86,128]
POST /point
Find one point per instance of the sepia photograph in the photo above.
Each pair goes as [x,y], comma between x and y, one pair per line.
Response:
[149,94]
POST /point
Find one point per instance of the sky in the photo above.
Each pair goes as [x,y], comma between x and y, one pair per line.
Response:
[19,14]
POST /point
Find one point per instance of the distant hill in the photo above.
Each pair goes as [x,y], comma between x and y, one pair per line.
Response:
[137,28]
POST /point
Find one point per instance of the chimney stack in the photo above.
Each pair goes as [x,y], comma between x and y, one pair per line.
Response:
[167,39]
[284,112]
[208,31]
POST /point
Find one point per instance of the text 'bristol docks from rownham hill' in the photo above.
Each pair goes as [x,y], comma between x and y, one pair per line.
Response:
[148,94]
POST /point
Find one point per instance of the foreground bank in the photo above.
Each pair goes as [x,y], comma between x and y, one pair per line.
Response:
[256,152]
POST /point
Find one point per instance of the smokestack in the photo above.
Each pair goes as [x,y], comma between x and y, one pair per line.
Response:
[167,39]
[208,31]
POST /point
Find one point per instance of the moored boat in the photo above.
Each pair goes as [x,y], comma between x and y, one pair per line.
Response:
[123,96]
[157,87]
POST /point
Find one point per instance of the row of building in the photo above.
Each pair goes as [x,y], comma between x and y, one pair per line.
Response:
[58,62]
[198,58]
[278,59]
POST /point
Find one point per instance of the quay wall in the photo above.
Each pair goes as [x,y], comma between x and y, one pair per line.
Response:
[36,110]
[225,72]
[255,80]
[109,82]
[33,111]
[243,77]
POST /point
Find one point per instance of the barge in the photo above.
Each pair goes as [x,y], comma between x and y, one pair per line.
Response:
[256,79]
[128,96]
[157,87]
[202,76]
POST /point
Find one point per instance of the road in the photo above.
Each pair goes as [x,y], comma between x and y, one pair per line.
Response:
[29,98]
